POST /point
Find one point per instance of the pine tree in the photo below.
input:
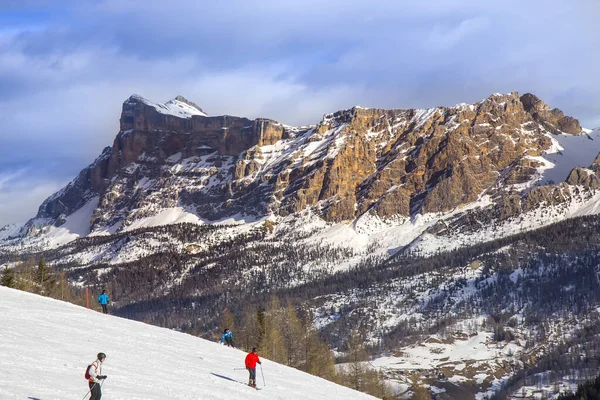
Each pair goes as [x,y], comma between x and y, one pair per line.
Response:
[374,384]
[44,277]
[357,355]
[250,335]
[317,357]
[260,319]
[8,278]
[292,336]
[272,345]
[25,276]
[322,363]
[61,288]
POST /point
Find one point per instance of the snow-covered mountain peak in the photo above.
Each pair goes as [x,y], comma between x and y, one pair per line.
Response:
[178,107]
[186,105]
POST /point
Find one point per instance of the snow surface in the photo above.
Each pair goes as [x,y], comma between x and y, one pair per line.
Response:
[10,230]
[173,107]
[167,216]
[427,355]
[177,215]
[46,344]
[76,225]
[571,151]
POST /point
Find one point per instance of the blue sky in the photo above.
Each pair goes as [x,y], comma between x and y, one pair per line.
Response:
[67,66]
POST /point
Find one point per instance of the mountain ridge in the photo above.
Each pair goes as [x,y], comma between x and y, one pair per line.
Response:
[352,162]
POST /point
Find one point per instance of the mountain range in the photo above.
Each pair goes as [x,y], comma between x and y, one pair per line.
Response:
[172,163]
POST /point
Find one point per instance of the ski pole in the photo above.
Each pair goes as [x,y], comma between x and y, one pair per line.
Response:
[263,375]
[89,391]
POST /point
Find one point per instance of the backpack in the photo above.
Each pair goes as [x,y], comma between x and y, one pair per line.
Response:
[87,372]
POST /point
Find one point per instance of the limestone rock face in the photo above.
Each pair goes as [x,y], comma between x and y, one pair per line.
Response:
[226,134]
[384,162]
[554,120]
[596,164]
[584,177]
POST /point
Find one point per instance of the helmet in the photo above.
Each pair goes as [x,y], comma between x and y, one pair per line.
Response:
[101,356]
[254,349]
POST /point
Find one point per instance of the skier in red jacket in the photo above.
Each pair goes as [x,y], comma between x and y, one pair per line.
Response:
[251,360]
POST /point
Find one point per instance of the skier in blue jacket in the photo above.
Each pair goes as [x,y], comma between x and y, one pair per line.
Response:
[227,338]
[103,300]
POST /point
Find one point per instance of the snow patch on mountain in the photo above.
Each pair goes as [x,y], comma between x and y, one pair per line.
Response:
[177,215]
[173,107]
[75,226]
[465,351]
[370,235]
[10,230]
[477,347]
[570,151]
[167,216]
[579,204]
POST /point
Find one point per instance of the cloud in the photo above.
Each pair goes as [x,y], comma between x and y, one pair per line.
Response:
[64,72]
[19,195]
[445,38]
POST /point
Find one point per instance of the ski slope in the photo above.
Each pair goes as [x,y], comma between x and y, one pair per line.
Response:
[46,344]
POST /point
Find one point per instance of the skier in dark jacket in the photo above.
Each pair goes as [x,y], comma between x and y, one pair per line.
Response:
[251,360]
[103,300]
[95,373]
[227,338]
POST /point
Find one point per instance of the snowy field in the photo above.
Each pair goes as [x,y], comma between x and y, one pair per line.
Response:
[45,346]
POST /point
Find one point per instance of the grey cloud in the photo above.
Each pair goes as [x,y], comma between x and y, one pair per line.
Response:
[19,195]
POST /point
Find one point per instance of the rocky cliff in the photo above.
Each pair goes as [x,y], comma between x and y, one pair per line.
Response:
[387,163]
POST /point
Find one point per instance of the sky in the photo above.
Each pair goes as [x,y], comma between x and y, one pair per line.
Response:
[67,66]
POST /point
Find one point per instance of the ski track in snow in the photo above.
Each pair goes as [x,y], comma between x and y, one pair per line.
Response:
[46,344]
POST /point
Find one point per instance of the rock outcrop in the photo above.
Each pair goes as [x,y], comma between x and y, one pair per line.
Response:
[554,120]
[584,177]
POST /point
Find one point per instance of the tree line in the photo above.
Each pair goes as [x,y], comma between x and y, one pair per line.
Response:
[39,278]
